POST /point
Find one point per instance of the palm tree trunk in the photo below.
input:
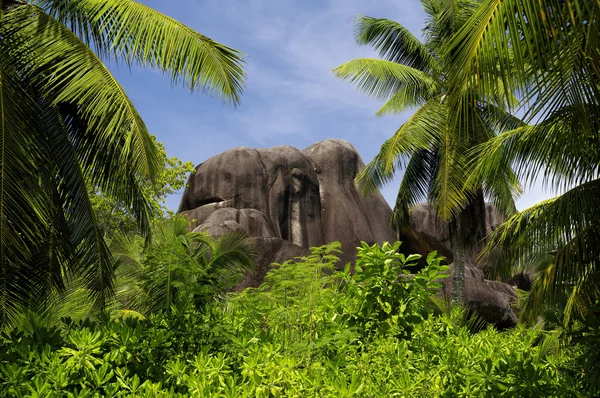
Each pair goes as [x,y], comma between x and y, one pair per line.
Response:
[467,232]
[460,254]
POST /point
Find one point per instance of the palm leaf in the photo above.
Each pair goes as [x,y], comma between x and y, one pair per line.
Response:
[537,48]
[395,43]
[67,71]
[447,190]
[565,152]
[415,185]
[92,258]
[139,34]
[566,227]
[23,214]
[419,132]
[381,79]
[407,97]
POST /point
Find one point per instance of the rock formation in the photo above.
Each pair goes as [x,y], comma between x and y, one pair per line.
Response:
[289,200]
[303,198]
[494,301]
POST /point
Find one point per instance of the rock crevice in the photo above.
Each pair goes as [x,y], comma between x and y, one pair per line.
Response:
[304,197]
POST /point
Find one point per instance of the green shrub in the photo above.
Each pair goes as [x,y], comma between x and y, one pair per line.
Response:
[382,296]
[308,331]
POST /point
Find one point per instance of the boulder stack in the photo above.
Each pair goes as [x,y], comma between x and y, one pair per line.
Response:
[289,200]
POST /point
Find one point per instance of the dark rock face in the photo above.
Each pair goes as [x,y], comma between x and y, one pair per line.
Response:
[289,200]
[494,301]
[305,198]
[428,232]
[347,216]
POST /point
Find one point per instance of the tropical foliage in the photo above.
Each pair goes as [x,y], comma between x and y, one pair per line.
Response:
[553,65]
[178,269]
[430,148]
[104,292]
[67,126]
[115,218]
[299,334]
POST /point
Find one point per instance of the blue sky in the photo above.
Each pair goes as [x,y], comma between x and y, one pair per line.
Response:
[291,97]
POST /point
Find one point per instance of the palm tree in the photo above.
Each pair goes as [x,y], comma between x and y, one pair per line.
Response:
[65,120]
[428,146]
[555,68]
[178,267]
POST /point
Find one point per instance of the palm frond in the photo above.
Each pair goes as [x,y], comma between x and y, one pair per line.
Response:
[128,252]
[136,33]
[498,119]
[494,174]
[381,79]
[541,50]
[395,43]
[67,71]
[565,227]
[447,193]
[232,251]
[23,215]
[564,152]
[92,258]
[415,185]
[420,132]
[407,97]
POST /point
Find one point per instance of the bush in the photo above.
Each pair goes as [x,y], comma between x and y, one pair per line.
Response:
[309,330]
[383,297]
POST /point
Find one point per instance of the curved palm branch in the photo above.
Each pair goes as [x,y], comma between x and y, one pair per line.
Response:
[23,215]
[380,78]
[566,152]
[395,43]
[447,190]
[66,120]
[232,250]
[497,119]
[136,33]
[539,49]
[231,254]
[565,227]
[500,183]
[91,258]
[67,71]
[419,132]
[407,97]
[415,186]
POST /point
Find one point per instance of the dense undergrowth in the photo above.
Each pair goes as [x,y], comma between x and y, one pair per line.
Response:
[308,331]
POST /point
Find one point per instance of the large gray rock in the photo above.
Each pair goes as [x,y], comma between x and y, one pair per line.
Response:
[289,200]
[253,222]
[306,198]
[347,216]
[494,301]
